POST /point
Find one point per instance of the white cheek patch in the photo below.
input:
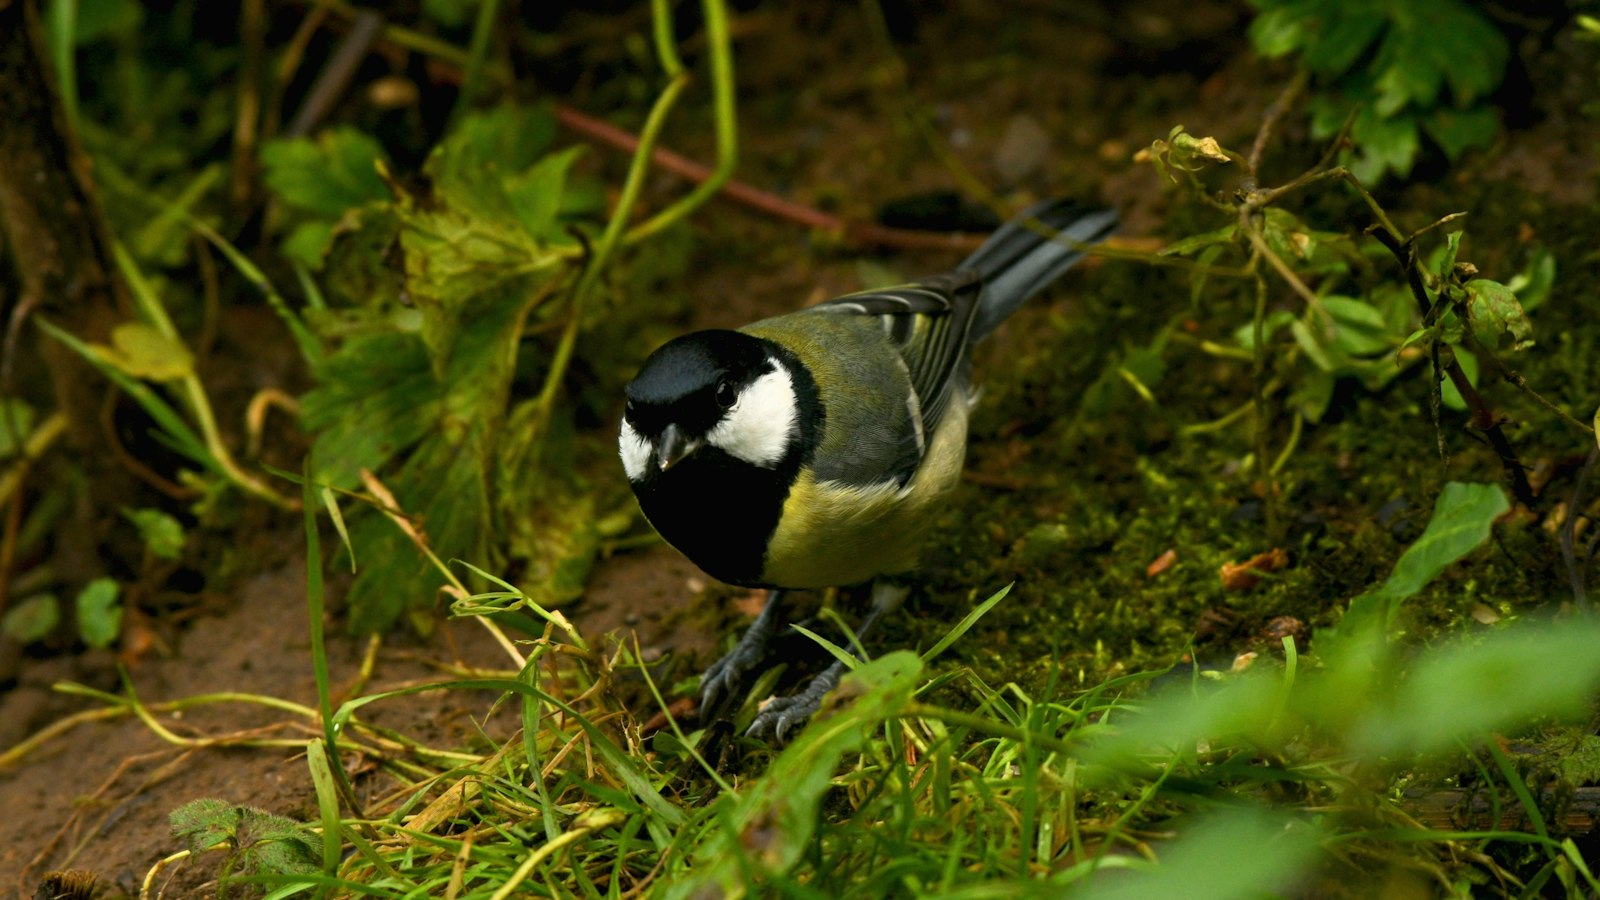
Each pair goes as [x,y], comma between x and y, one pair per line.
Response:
[762,422]
[635,452]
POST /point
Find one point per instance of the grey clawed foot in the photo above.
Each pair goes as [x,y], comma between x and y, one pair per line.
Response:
[781,718]
[724,684]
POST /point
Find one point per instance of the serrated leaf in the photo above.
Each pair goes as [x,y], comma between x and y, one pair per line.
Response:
[1348,33]
[1278,31]
[1407,81]
[1496,317]
[142,351]
[536,194]
[1468,48]
[500,141]
[99,613]
[1385,145]
[328,175]
[1457,131]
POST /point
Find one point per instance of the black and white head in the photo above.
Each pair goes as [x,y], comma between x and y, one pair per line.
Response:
[715,398]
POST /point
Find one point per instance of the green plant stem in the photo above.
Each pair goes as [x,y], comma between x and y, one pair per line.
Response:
[61,28]
[35,445]
[472,79]
[192,389]
[720,46]
[1289,445]
[1516,380]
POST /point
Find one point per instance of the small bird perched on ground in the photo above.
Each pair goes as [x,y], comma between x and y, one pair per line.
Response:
[812,449]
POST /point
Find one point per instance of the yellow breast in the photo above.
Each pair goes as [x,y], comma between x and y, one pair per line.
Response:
[833,534]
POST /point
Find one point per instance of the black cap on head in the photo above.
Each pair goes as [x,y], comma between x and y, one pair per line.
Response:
[679,383]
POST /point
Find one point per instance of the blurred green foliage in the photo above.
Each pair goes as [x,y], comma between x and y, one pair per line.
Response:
[432,289]
[1404,68]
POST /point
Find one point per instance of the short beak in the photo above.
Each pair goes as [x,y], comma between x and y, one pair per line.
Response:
[672,447]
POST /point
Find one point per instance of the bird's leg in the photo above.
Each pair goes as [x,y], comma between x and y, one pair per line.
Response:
[781,717]
[724,683]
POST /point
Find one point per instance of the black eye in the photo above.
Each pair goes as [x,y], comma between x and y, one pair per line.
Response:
[628,410]
[726,395]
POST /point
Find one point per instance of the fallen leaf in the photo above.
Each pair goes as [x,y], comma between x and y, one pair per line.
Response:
[1161,563]
[1244,576]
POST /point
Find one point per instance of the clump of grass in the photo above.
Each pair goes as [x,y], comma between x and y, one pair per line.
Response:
[889,793]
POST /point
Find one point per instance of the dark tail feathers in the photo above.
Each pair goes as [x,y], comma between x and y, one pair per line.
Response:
[1018,261]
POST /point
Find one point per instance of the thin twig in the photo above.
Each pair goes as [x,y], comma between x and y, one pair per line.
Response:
[1269,121]
[765,201]
[1521,383]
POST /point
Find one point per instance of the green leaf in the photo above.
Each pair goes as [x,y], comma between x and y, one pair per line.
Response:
[326,176]
[1407,81]
[1472,690]
[1532,285]
[1448,394]
[16,423]
[32,620]
[1496,317]
[1348,33]
[308,243]
[1446,263]
[1385,145]
[161,533]
[1285,234]
[1462,518]
[966,623]
[1457,131]
[1279,31]
[143,351]
[449,13]
[498,142]
[536,194]
[1359,327]
[203,824]
[98,19]
[1246,334]
[1197,242]
[769,823]
[1205,862]
[99,613]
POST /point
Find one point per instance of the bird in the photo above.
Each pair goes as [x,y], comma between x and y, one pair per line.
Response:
[813,449]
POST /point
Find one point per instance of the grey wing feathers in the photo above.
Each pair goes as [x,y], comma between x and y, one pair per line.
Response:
[928,323]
